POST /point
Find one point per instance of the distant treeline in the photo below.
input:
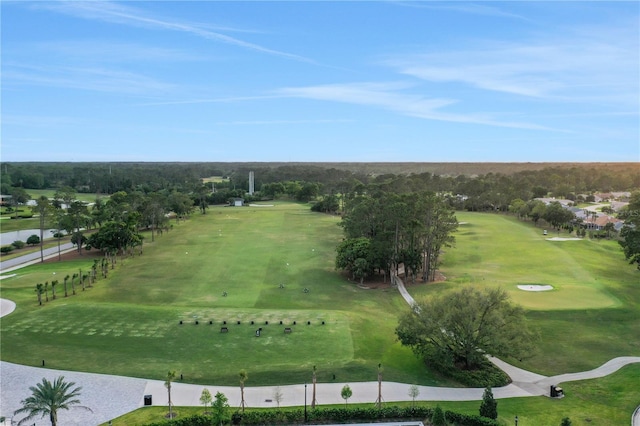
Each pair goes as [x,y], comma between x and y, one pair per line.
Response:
[503,181]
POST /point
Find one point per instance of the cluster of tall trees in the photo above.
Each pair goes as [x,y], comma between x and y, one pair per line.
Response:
[388,230]
[630,233]
[111,225]
[553,213]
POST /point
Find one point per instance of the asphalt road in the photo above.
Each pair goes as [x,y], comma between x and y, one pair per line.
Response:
[31,258]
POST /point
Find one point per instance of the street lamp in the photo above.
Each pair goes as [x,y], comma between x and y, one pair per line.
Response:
[305,402]
[516,420]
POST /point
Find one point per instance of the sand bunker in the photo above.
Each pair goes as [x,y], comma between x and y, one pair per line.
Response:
[535,287]
[563,239]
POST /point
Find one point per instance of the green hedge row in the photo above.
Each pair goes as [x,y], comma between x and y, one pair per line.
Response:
[333,415]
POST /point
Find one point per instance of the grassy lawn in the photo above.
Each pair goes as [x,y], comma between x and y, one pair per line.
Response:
[130,322]
[264,258]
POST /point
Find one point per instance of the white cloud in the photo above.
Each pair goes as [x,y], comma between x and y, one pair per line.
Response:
[126,15]
[571,66]
[468,8]
[86,78]
[388,96]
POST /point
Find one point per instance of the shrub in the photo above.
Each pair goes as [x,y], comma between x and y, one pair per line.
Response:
[469,420]
[6,249]
[487,375]
[489,406]
[33,240]
[18,244]
[438,417]
[334,415]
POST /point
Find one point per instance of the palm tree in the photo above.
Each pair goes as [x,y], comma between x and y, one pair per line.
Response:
[39,291]
[43,208]
[313,379]
[49,397]
[54,283]
[65,285]
[171,375]
[46,290]
[73,287]
[243,378]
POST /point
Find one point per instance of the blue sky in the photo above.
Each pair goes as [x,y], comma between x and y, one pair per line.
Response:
[320,81]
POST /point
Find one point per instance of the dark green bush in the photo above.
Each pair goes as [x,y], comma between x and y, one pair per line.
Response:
[18,244]
[195,420]
[33,240]
[486,375]
[438,417]
[469,420]
[325,415]
[6,249]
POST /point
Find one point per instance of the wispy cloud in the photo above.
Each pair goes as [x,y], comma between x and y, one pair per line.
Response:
[126,15]
[86,78]
[565,67]
[279,122]
[101,51]
[389,96]
[468,8]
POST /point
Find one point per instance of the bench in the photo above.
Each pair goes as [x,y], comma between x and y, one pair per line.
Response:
[287,330]
[224,330]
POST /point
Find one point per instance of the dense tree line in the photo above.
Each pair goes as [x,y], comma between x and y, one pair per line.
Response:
[156,188]
[486,190]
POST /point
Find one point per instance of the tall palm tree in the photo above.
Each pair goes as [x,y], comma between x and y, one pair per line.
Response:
[243,378]
[43,208]
[65,285]
[49,397]
[171,376]
[313,379]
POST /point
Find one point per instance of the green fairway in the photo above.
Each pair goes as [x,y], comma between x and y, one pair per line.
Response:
[263,259]
[591,315]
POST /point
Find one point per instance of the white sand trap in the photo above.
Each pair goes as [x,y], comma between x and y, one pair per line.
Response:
[563,239]
[260,205]
[535,287]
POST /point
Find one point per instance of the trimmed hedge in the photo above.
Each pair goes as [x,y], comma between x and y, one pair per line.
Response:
[332,415]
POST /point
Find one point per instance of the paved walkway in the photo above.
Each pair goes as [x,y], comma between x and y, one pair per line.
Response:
[33,258]
[112,396]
